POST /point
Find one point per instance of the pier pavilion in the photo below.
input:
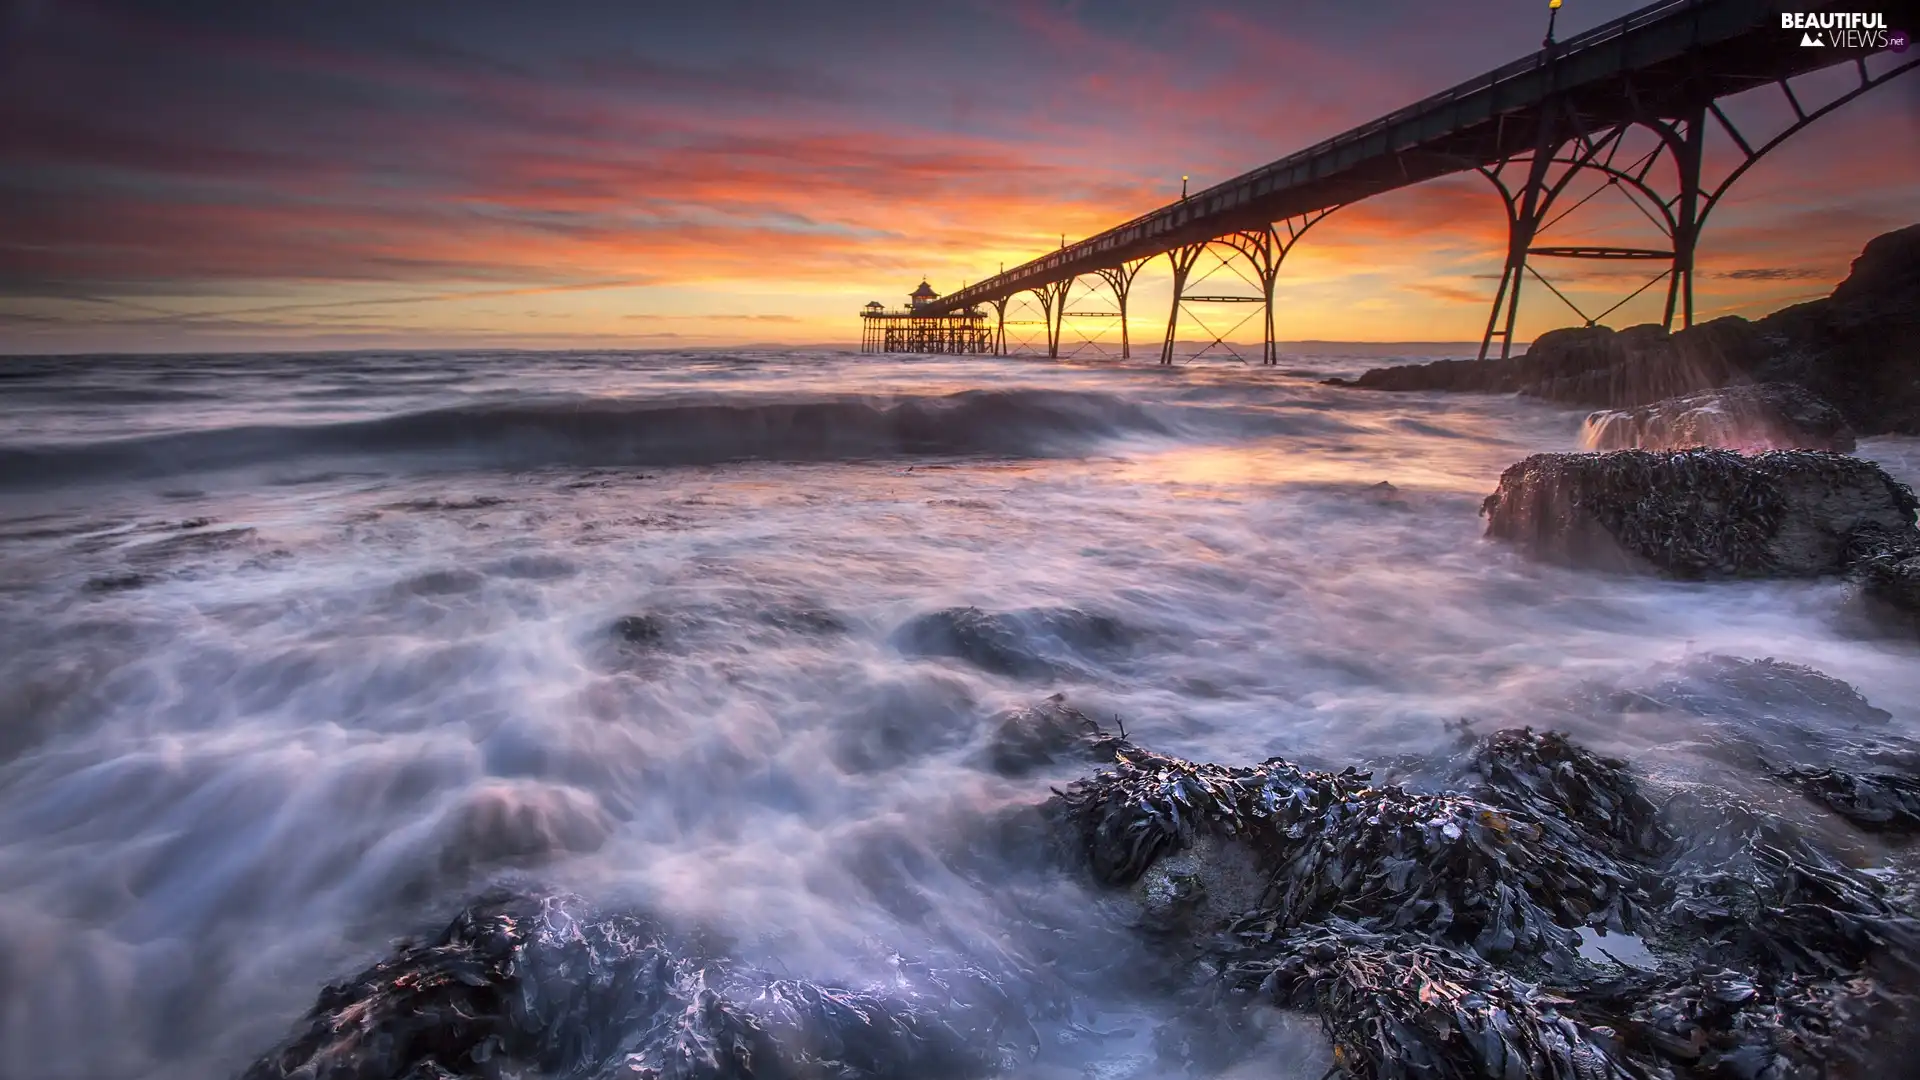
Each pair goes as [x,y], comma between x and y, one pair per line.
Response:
[917,329]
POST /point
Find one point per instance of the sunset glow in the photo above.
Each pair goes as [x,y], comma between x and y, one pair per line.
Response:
[601,176]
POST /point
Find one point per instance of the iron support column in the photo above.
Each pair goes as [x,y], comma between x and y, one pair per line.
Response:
[1183,259]
[1687,155]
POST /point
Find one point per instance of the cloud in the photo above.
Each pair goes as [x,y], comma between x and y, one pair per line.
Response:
[1771,273]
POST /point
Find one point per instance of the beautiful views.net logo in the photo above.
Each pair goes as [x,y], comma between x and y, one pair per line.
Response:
[1844,29]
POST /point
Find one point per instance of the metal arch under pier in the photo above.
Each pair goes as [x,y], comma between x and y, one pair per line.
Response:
[1564,110]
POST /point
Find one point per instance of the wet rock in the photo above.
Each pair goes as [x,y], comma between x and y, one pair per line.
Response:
[1401,1006]
[645,630]
[990,642]
[1594,365]
[1034,644]
[1698,514]
[120,582]
[1887,588]
[1335,846]
[532,984]
[1426,957]
[1768,416]
[1757,701]
[1752,891]
[1198,890]
[1036,736]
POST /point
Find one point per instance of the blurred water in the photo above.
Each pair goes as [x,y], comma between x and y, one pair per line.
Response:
[297,652]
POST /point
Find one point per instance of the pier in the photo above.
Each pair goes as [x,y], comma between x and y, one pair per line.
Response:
[1583,107]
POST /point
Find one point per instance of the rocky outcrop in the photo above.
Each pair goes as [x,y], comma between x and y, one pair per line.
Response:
[1595,365]
[1859,349]
[1432,934]
[1700,514]
[1749,418]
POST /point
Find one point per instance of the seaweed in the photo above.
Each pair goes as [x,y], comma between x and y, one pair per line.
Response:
[1548,776]
[1886,802]
[1400,1006]
[1504,877]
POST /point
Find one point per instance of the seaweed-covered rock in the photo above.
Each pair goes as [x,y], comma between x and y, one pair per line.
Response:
[1750,890]
[1548,776]
[1877,801]
[1401,1007]
[1749,418]
[1699,513]
[528,984]
[1887,585]
[1335,846]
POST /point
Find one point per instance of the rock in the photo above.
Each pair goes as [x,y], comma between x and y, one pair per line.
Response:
[1858,349]
[642,630]
[1698,514]
[1429,933]
[1036,736]
[1749,418]
[1888,590]
[1197,891]
[1037,643]
[1594,365]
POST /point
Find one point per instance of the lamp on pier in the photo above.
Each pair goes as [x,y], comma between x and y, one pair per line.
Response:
[1183,176]
[1553,12]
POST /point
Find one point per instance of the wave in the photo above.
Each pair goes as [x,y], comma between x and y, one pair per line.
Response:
[599,432]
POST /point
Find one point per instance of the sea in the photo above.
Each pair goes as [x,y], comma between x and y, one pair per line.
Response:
[299,653]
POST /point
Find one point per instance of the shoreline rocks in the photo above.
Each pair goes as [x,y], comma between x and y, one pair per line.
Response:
[1700,514]
[1749,418]
[1858,348]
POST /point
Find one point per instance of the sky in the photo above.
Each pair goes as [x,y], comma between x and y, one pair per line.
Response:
[642,174]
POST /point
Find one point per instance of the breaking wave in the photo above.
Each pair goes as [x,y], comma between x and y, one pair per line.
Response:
[603,432]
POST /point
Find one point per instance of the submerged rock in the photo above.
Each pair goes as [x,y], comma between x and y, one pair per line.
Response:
[1700,513]
[644,630]
[1036,736]
[1768,416]
[1032,644]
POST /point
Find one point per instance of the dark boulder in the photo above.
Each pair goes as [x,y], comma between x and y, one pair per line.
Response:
[1750,418]
[1698,514]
